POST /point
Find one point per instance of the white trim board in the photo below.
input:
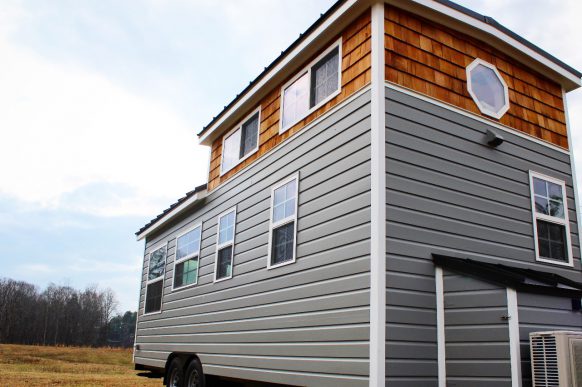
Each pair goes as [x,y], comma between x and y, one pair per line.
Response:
[440,317]
[572,163]
[474,116]
[378,204]
[514,349]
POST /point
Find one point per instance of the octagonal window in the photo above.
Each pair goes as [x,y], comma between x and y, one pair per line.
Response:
[487,88]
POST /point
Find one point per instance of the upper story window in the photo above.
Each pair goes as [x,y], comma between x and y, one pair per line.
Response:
[283,227]
[225,245]
[312,87]
[241,142]
[487,88]
[550,215]
[155,280]
[187,258]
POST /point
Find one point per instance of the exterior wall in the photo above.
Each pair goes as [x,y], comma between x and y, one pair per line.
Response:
[476,336]
[542,313]
[306,323]
[356,74]
[431,59]
[448,193]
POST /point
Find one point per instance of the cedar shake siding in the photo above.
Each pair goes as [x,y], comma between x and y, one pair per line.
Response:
[431,59]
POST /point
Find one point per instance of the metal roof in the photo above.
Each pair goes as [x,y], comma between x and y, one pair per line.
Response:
[155,220]
[526,280]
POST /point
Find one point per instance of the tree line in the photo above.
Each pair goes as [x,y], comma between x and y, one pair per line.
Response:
[61,315]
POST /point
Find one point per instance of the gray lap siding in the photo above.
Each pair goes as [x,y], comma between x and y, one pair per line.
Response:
[304,323]
[448,193]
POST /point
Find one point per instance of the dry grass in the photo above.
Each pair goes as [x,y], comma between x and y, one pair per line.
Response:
[25,365]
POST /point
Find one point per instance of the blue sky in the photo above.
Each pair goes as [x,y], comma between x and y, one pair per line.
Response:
[100,102]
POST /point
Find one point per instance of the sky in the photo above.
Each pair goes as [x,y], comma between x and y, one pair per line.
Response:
[100,103]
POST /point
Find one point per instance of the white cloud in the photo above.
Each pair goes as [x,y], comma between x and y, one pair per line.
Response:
[63,128]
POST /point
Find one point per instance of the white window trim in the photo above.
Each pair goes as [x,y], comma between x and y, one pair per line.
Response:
[565,222]
[225,244]
[482,108]
[282,222]
[307,70]
[239,127]
[160,278]
[178,261]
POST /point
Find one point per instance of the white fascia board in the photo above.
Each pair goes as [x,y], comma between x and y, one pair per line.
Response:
[305,49]
[172,214]
[454,19]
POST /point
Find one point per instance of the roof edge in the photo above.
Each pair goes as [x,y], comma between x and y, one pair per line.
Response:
[175,209]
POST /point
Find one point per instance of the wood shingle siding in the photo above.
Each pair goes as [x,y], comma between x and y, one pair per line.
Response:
[431,59]
[356,73]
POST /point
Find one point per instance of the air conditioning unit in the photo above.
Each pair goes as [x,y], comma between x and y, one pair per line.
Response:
[556,358]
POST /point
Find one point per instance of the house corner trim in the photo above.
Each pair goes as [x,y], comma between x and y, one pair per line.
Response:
[378,204]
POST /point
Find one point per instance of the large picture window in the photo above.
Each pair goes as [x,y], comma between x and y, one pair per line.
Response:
[241,142]
[283,228]
[312,87]
[550,216]
[155,280]
[187,258]
[225,245]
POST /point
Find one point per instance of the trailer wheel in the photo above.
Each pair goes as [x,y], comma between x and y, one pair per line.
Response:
[194,376]
[176,373]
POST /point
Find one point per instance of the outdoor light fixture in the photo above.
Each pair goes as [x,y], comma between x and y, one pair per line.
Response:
[493,139]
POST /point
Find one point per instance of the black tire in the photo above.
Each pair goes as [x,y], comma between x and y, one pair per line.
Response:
[194,377]
[175,373]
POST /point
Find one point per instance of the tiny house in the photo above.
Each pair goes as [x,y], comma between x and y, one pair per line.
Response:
[391,202]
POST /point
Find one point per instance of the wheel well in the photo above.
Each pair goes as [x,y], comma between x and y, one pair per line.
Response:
[185,357]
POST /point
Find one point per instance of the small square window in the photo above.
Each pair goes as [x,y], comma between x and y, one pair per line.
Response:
[282,246]
[154,297]
[324,79]
[550,216]
[240,143]
[224,269]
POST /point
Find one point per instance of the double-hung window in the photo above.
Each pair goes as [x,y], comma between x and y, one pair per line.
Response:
[187,258]
[312,87]
[155,280]
[225,245]
[241,142]
[283,228]
[550,217]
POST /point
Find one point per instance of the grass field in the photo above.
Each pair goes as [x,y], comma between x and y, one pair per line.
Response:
[24,365]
